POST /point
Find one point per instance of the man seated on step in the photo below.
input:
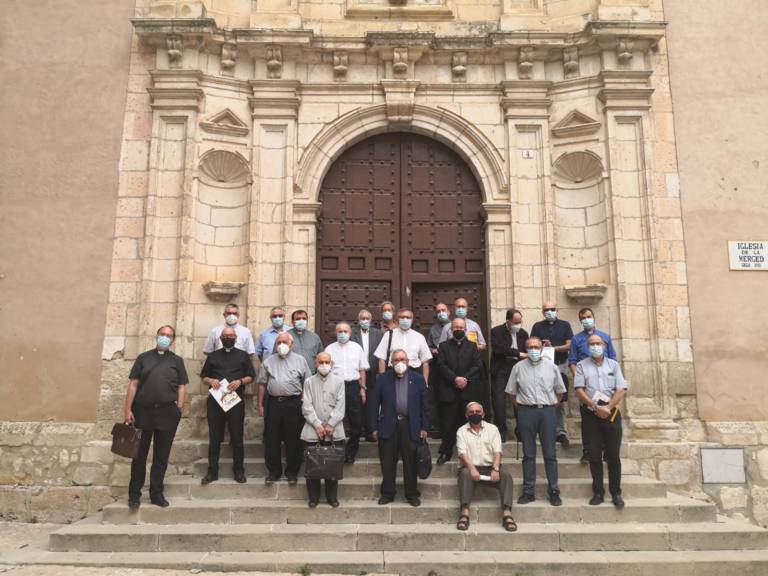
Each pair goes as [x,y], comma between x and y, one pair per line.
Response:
[281,380]
[479,446]
[399,422]
[323,406]
[536,387]
[233,365]
[600,387]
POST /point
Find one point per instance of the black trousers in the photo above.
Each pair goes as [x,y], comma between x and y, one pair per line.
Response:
[604,439]
[354,414]
[499,401]
[313,485]
[282,424]
[158,426]
[217,420]
[451,419]
[398,446]
[370,380]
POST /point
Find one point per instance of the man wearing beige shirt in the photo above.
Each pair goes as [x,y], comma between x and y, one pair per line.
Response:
[479,446]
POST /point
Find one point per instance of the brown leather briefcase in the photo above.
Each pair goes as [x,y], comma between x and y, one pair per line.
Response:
[125,440]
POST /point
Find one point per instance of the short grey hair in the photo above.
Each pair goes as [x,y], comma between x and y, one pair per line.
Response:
[395,352]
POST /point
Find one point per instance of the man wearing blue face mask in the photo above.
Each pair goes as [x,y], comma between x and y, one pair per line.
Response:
[473,331]
[442,319]
[350,363]
[580,351]
[153,402]
[305,342]
[267,338]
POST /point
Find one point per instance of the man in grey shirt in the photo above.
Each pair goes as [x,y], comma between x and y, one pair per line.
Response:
[281,378]
[536,387]
[305,342]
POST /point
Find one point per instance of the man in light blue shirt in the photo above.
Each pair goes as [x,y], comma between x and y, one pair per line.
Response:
[267,338]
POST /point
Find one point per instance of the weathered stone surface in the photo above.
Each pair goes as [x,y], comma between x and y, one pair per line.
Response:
[733,498]
[675,472]
[59,504]
[14,503]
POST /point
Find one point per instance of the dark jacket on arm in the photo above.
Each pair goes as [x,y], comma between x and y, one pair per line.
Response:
[458,359]
[503,356]
[383,407]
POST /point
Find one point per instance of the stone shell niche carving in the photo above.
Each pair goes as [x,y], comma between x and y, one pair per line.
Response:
[577,169]
[220,167]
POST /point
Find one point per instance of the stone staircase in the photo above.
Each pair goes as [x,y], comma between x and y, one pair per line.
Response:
[227,526]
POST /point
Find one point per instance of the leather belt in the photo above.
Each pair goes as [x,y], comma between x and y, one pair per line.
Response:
[401,417]
[284,398]
[537,405]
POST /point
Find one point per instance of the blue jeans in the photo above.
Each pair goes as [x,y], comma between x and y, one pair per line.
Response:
[534,421]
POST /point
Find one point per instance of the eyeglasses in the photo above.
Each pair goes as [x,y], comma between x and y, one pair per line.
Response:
[550,309]
[474,412]
[278,316]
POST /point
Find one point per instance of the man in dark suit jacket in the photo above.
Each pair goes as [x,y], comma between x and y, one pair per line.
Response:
[507,348]
[399,421]
[459,367]
[368,337]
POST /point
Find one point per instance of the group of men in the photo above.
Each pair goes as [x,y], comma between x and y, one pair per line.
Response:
[379,377]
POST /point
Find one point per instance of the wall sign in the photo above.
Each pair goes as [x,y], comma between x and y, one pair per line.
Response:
[748,255]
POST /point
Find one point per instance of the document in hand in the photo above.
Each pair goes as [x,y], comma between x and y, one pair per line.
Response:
[224,397]
[548,352]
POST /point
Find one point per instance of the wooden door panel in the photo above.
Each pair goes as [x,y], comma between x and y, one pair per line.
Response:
[342,300]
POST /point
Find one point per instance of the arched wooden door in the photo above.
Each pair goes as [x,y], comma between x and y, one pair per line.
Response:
[401,219]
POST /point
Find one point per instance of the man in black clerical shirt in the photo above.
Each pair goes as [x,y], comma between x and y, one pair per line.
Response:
[153,402]
[233,365]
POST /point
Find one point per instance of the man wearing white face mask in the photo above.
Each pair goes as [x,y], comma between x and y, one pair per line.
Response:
[399,420]
[244,338]
[507,348]
[281,379]
[350,364]
[402,337]
[323,408]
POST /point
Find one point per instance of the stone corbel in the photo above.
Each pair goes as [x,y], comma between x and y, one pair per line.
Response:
[586,294]
[571,61]
[400,96]
[525,62]
[228,58]
[222,291]
[175,47]
[624,53]
[340,65]
[274,61]
[459,66]
[401,49]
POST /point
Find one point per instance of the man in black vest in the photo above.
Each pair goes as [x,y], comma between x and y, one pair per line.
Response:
[459,367]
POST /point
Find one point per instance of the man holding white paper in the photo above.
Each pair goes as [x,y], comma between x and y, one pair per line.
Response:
[600,387]
[231,368]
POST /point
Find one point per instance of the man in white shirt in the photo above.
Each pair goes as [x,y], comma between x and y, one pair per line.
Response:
[403,338]
[350,364]
[244,339]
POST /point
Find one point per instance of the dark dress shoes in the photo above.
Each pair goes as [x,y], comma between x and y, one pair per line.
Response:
[415,502]
[271,479]
[443,458]
[240,477]
[385,500]
[313,503]
[333,503]
[618,501]
[208,478]
[555,500]
[134,503]
[596,500]
[160,501]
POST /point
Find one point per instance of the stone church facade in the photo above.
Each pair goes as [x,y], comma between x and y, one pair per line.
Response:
[306,154]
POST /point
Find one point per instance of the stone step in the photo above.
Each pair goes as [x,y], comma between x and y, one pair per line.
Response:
[90,537]
[423,563]
[368,488]
[255,449]
[242,510]
[370,467]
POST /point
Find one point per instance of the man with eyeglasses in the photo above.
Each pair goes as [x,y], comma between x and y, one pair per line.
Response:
[267,338]
[403,338]
[556,333]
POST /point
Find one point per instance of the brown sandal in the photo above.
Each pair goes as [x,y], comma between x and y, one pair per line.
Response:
[463,523]
[509,524]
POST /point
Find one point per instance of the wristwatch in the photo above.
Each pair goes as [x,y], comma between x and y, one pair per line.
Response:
[495,469]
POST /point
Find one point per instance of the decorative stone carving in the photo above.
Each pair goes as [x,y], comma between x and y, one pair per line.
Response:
[223,167]
[222,291]
[575,123]
[586,294]
[225,122]
[525,62]
[228,57]
[400,97]
[400,62]
[175,45]
[340,65]
[624,51]
[577,168]
[459,66]
[274,61]
[571,61]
